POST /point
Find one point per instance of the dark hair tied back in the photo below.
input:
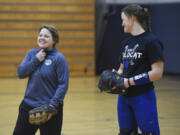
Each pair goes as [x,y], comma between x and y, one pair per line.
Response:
[141,14]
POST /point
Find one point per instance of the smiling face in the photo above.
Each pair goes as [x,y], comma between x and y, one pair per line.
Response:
[45,39]
[127,23]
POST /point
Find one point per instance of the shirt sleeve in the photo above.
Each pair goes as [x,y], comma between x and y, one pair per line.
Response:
[62,71]
[155,51]
[28,66]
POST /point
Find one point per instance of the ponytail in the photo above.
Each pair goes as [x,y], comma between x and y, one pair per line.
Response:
[141,14]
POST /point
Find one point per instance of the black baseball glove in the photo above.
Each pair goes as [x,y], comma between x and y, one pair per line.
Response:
[39,115]
[108,80]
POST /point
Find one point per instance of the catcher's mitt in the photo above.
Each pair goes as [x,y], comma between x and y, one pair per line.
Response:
[108,80]
[40,114]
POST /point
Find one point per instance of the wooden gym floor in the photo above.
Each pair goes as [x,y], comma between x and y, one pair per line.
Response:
[89,112]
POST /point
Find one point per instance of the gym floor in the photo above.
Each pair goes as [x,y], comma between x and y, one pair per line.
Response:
[89,112]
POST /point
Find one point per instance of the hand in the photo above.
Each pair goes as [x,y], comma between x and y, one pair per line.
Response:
[126,83]
[113,70]
[50,115]
[111,82]
[113,88]
[117,71]
[41,55]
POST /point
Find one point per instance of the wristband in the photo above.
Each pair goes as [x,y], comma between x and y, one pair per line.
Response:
[141,78]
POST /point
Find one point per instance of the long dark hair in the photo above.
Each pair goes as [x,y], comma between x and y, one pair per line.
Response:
[53,31]
[141,14]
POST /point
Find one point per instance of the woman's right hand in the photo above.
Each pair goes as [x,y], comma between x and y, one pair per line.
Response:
[117,71]
[114,70]
[41,55]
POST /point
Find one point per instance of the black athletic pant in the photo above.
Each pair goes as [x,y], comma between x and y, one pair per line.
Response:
[51,127]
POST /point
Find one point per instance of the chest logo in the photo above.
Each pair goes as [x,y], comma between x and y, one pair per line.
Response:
[131,53]
[48,62]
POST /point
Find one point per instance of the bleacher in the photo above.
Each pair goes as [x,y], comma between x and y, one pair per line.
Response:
[19,24]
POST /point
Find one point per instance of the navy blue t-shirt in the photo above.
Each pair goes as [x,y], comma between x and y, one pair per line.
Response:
[138,53]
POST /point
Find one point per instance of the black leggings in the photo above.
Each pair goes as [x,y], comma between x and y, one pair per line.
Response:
[51,127]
